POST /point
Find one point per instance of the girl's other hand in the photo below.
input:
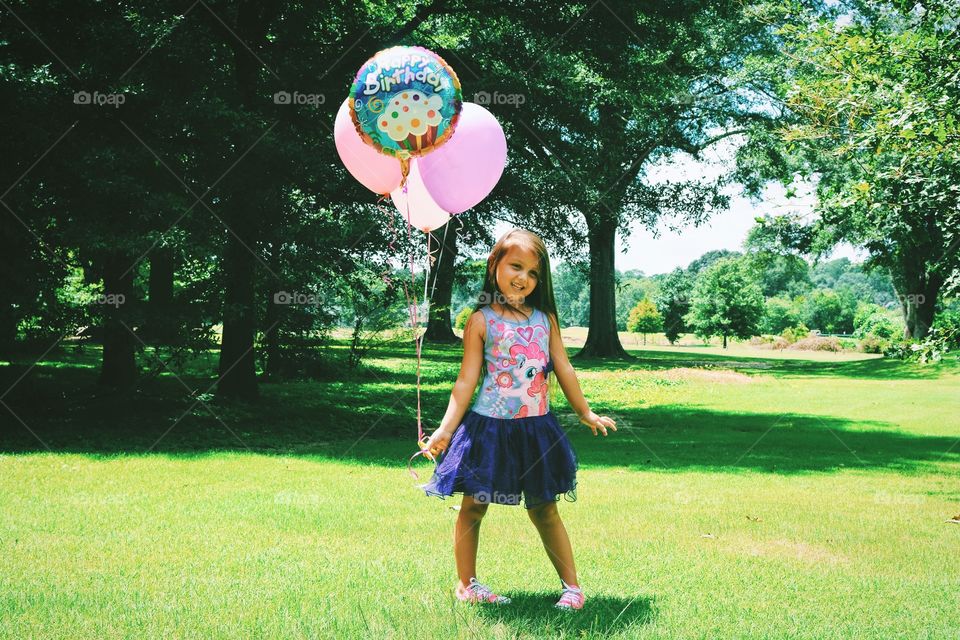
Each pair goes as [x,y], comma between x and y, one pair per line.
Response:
[437,443]
[598,423]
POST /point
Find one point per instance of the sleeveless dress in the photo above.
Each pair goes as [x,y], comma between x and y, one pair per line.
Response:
[509,444]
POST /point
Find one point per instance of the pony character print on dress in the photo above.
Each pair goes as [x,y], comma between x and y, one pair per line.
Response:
[528,378]
[517,358]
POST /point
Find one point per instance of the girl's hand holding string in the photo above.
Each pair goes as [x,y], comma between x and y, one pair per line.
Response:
[598,423]
[436,443]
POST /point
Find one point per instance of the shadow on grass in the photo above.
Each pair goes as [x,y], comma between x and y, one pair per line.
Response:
[377,425]
[682,437]
[602,615]
[368,416]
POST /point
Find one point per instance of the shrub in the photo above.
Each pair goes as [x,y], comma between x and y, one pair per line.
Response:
[873,344]
[849,344]
[938,343]
[792,334]
[943,338]
[872,319]
[817,343]
[899,349]
[462,317]
[769,342]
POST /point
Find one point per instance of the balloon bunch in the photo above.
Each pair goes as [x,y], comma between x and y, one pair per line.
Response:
[404,131]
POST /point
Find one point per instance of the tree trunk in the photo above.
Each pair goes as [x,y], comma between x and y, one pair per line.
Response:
[440,282]
[917,292]
[119,366]
[237,364]
[271,336]
[159,325]
[602,339]
[8,329]
[724,341]
[238,373]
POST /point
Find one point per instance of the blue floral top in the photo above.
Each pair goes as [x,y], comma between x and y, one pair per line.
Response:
[517,365]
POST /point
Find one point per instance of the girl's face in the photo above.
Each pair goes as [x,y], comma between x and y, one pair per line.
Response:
[518,274]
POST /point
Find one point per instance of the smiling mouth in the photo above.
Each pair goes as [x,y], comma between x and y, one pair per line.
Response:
[518,288]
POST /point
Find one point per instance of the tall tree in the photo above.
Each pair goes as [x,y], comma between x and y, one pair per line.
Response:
[644,318]
[726,302]
[673,303]
[872,111]
[93,181]
[589,115]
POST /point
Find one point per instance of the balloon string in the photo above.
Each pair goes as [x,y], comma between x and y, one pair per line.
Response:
[411,308]
[420,433]
[426,274]
[443,243]
[414,319]
[413,312]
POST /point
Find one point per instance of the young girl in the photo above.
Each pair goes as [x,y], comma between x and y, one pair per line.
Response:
[509,444]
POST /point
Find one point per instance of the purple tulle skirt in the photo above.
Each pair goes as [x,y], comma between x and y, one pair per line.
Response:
[498,461]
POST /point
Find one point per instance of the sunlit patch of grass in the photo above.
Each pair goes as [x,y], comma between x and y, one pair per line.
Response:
[800,499]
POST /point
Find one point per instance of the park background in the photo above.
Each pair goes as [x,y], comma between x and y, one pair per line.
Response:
[209,382]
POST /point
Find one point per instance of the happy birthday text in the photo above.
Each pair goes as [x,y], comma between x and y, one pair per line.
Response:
[404,72]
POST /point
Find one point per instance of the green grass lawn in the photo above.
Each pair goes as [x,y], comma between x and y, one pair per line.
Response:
[747,494]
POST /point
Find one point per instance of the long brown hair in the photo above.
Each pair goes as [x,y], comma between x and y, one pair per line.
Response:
[542,296]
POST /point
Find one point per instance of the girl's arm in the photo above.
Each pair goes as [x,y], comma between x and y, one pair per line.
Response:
[567,378]
[474,334]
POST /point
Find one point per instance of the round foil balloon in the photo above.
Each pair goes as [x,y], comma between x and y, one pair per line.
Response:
[405,101]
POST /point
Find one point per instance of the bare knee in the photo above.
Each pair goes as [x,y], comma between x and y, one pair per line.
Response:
[472,510]
[545,515]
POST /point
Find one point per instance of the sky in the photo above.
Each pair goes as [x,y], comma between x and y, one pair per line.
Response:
[725,230]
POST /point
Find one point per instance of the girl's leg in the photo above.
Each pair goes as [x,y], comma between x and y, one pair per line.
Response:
[555,540]
[467,538]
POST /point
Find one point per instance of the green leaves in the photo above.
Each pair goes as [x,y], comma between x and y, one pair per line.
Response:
[726,301]
[874,98]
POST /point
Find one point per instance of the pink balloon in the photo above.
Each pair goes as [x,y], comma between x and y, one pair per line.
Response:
[414,203]
[375,171]
[465,169]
